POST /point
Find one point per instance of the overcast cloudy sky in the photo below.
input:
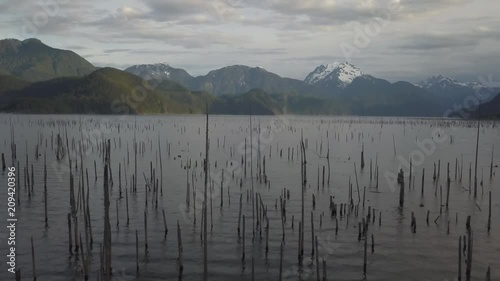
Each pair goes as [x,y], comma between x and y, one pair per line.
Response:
[396,40]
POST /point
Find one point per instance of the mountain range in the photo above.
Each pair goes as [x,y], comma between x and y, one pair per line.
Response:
[34,75]
[234,79]
[330,79]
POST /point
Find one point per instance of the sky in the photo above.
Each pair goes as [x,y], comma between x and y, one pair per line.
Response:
[396,40]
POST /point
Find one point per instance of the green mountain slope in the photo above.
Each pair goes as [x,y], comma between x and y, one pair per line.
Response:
[105,91]
[10,83]
[111,91]
[34,61]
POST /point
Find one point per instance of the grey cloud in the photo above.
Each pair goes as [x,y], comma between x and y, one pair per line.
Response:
[429,6]
[75,47]
[112,51]
[424,34]
[26,28]
[449,40]
[122,26]
[321,59]
[159,52]
[331,13]
[114,65]
[178,8]
[431,42]
[259,51]
[193,11]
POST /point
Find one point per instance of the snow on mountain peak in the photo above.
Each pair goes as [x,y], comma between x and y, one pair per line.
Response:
[157,70]
[344,72]
[445,82]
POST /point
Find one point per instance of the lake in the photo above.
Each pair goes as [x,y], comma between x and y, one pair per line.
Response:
[174,147]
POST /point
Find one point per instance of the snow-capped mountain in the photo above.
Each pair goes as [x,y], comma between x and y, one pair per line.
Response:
[440,83]
[333,76]
[456,91]
[160,71]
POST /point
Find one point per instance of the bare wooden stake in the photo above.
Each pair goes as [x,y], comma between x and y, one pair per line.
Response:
[470,245]
[447,194]
[312,233]
[364,195]
[107,226]
[373,243]
[179,248]
[394,144]
[18,275]
[69,235]
[239,214]
[33,259]
[489,214]
[475,168]
[267,235]
[460,258]
[243,241]
[357,185]
[317,258]
[205,202]
[126,201]
[3,163]
[164,223]
[365,256]
[117,214]
[137,252]
[84,262]
[423,180]
[491,164]
[281,262]
[146,230]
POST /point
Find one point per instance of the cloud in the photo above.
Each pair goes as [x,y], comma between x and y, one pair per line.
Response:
[129,12]
[134,25]
[472,37]
[112,51]
[290,37]
[193,11]
[75,47]
[261,51]
[339,12]
[426,42]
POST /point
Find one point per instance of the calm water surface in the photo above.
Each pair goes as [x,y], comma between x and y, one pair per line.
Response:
[429,254]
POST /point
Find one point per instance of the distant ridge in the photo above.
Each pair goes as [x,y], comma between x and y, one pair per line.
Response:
[34,61]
